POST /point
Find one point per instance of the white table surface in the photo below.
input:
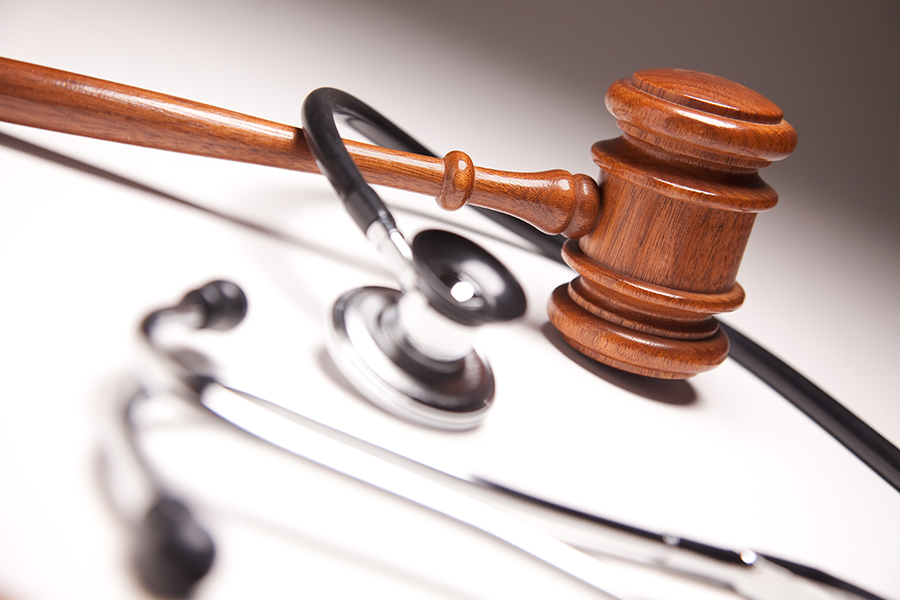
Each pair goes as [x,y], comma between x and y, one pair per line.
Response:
[720,458]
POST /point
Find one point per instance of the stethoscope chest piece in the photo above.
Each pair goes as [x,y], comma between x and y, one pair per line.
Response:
[376,356]
[410,352]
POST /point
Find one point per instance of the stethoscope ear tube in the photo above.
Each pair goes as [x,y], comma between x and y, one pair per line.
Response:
[863,441]
[324,140]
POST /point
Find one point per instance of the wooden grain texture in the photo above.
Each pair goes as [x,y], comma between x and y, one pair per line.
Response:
[620,347]
[553,201]
[680,192]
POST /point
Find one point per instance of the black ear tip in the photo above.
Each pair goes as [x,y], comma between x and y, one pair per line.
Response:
[223,303]
[173,552]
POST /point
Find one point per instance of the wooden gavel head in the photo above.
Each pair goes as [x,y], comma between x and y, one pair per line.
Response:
[679,191]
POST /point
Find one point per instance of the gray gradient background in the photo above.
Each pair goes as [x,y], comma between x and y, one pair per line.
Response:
[834,68]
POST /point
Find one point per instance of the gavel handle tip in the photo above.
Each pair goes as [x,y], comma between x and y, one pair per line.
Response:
[556,202]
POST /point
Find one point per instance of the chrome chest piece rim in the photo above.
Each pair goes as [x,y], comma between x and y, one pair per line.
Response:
[394,376]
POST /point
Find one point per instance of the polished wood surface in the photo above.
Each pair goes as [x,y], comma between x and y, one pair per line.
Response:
[553,201]
[680,192]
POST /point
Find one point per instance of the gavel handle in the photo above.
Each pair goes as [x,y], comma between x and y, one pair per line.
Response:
[553,201]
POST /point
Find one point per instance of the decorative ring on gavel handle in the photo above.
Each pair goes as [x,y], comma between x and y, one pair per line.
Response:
[679,194]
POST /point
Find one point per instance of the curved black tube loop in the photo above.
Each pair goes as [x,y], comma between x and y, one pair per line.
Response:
[318,115]
[445,250]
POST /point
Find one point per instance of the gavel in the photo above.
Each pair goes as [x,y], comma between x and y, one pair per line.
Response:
[656,245]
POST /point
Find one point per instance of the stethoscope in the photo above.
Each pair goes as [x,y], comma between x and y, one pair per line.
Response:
[410,351]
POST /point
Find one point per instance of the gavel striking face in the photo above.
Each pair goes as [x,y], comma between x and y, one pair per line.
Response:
[657,247]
